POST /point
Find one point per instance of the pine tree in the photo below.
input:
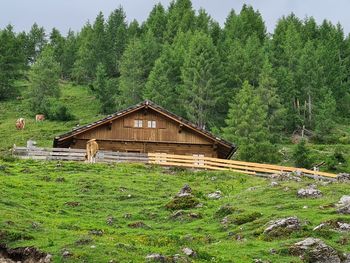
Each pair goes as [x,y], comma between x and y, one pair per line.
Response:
[267,90]
[44,79]
[35,42]
[12,62]
[181,18]
[301,155]
[156,22]
[57,43]
[116,34]
[105,92]
[132,78]
[69,55]
[202,81]
[247,127]
[325,115]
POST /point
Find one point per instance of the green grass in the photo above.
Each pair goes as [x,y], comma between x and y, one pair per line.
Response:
[34,211]
[79,100]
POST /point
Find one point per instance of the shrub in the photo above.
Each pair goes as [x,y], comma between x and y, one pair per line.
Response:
[301,155]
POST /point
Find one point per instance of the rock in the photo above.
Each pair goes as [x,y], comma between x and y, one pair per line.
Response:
[344,205]
[189,252]
[60,179]
[314,250]
[138,224]
[225,221]
[343,177]
[183,200]
[200,205]
[185,191]
[23,254]
[310,192]
[72,204]
[66,253]
[177,214]
[93,246]
[127,216]
[194,215]
[305,207]
[343,226]
[110,220]
[215,195]
[283,226]
[320,226]
[96,232]
[296,176]
[156,258]
[274,184]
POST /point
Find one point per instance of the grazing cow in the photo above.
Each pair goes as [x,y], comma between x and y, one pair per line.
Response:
[91,151]
[20,124]
[39,117]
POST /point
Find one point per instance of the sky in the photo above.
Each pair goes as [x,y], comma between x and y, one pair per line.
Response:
[66,14]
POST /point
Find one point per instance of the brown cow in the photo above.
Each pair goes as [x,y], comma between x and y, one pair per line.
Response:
[91,151]
[39,117]
[20,124]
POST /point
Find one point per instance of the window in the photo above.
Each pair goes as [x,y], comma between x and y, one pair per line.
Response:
[138,123]
[151,124]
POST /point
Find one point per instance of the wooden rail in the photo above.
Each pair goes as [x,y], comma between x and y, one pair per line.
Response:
[196,162]
[66,154]
[222,164]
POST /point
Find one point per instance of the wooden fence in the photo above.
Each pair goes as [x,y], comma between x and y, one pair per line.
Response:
[223,164]
[163,159]
[66,154]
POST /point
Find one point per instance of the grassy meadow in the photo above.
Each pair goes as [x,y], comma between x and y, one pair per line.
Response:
[66,206]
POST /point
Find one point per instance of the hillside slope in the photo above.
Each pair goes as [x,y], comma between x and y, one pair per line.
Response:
[118,212]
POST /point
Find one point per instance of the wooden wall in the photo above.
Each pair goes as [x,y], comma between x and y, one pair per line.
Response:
[167,137]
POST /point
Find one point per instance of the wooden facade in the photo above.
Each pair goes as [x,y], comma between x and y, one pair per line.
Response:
[144,128]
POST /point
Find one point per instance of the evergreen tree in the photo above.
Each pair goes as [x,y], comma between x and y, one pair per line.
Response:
[35,42]
[69,55]
[134,30]
[116,34]
[44,79]
[164,82]
[84,69]
[156,22]
[104,90]
[57,44]
[181,18]
[267,90]
[247,127]
[12,61]
[301,155]
[325,114]
[202,81]
[132,78]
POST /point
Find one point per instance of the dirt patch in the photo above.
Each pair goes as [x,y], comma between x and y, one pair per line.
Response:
[23,254]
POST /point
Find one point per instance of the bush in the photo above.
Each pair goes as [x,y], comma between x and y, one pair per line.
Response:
[301,155]
[58,112]
[246,218]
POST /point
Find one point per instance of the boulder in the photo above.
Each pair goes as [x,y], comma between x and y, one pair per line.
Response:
[274,184]
[343,177]
[156,258]
[185,191]
[309,192]
[183,200]
[215,195]
[189,252]
[23,254]
[314,250]
[344,205]
[283,226]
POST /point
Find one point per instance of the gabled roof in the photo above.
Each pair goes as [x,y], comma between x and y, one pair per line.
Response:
[155,107]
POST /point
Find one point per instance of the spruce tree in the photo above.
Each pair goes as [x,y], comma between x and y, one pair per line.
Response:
[44,80]
[156,22]
[35,42]
[116,37]
[247,127]
[69,55]
[301,155]
[267,90]
[132,78]
[325,115]
[105,92]
[203,83]
[12,62]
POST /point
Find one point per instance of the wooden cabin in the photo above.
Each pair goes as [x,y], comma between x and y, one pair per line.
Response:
[147,127]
